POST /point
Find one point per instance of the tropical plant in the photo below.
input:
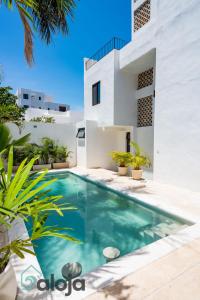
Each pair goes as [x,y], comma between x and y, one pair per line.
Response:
[61,154]
[6,140]
[9,110]
[26,196]
[29,151]
[42,16]
[43,119]
[122,159]
[139,159]
[47,150]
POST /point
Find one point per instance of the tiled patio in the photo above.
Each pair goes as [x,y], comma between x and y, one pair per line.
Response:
[176,276]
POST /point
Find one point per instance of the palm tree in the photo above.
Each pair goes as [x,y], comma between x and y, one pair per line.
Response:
[6,140]
[47,17]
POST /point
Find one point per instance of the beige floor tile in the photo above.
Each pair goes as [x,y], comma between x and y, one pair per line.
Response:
[173,277]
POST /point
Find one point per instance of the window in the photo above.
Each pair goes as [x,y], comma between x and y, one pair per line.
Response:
[81,133]
[25,96]
[40,98]
[48,108]
[26,106]
[128,140]
[32,97]
[39,107]
[62,108]
[96,93]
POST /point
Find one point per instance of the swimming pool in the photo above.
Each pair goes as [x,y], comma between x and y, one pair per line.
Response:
[104,218]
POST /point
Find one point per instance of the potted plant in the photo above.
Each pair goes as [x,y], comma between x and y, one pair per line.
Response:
[45,150]
[122,159]
[138,160]
[23,196]
[60,158]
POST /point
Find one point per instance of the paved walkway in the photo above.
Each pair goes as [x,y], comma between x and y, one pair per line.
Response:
[173,277]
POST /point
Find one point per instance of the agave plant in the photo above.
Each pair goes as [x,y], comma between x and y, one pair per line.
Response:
[25,196]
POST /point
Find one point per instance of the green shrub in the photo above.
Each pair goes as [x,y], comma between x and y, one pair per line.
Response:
[138,159]
[122,159]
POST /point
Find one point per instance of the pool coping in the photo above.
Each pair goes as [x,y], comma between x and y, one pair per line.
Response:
[130,263]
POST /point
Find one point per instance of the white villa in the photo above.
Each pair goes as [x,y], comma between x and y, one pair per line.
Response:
[147,90]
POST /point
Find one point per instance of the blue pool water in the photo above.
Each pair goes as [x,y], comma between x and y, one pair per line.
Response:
[104,218]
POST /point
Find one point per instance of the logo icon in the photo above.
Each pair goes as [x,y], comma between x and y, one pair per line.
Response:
[29,278]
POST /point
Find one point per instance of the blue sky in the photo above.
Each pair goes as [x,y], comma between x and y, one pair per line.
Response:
[58,68]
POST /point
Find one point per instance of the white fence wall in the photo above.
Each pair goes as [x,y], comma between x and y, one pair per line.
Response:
[63,134]
[59,117]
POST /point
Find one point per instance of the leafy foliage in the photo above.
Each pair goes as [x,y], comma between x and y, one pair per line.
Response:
[44,17]
[123,159]
[9,110]
[48,152]
[6,140]
[139,160]
[26,196]
[43,119]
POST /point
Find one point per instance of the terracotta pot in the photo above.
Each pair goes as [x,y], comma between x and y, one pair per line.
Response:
[40,167]
[137,174]
[122,171]
[61,165]
[8,283]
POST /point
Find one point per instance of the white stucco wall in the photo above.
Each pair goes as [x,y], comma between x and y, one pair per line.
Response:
[59,117]
[63,134]
[125,105]
[144,136]
[170,42]
[102,71]
[177,105]
[94,151]
[173,33]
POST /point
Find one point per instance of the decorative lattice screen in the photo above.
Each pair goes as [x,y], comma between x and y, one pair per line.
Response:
[145,111]
[145,78]
[142,15]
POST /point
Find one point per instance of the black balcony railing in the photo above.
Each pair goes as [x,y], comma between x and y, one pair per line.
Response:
[114,43]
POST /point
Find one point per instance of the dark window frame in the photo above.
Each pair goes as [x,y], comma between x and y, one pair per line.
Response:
[62,108]
[96,93]
[81,133]
[25,96]
[128,140]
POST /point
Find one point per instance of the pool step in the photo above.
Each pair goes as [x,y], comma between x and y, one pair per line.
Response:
[160,231]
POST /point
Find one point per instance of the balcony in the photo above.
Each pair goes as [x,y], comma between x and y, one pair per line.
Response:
[114,43]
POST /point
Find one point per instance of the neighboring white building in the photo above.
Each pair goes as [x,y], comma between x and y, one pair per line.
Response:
[33,99]
[147,90]
[38,104]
